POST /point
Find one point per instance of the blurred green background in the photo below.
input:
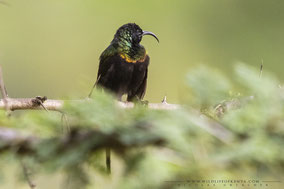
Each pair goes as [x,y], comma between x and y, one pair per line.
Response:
[51,47]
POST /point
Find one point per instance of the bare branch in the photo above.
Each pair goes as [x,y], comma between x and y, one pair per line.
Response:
[160,106]
[31,104]
[56,105]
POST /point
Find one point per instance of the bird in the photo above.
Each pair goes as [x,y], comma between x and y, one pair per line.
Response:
[123,67]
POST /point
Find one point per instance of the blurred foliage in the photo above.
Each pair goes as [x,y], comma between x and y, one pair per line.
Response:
[150,147]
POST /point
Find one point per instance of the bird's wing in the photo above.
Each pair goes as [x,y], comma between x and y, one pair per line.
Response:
[104,67]
[142,89]
[139,94]
[106,60]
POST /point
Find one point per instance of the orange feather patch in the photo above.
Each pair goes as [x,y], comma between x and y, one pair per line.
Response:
[130,60]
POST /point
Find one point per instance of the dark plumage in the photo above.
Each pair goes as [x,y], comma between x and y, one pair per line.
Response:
[124,64]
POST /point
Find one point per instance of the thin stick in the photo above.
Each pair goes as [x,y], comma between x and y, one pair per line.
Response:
[261,68]
[90,94]
[65,123]
[27,176]
[108,160]
[43,106]
[31,104]
[57,105]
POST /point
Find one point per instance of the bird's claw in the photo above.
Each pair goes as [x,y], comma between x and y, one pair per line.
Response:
[142,102]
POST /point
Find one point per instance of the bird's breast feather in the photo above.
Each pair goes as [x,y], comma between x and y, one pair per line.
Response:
[131,60]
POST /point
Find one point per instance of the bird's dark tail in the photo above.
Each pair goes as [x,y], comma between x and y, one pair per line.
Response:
[108,162]
[91,92]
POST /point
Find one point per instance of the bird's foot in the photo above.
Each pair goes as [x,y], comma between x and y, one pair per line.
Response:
[142,102]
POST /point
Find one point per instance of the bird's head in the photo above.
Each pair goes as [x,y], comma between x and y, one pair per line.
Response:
[131,34]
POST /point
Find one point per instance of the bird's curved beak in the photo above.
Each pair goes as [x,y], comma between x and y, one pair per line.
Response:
[150,33]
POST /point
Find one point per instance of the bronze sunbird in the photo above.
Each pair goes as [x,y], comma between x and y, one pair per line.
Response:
[123,67]
[124,63]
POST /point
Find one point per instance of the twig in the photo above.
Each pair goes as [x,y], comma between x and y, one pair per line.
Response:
[261,68]
[91,92]
[31,104]
[39,101]
[27,175]
[108,160]
[164,101]
[160,106]
[64,120]
[57,105]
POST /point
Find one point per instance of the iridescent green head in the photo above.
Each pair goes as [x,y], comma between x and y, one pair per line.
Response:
[126,43]
[130,35]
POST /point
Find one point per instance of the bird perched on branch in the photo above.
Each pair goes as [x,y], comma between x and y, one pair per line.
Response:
[123,67]
[124,64]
